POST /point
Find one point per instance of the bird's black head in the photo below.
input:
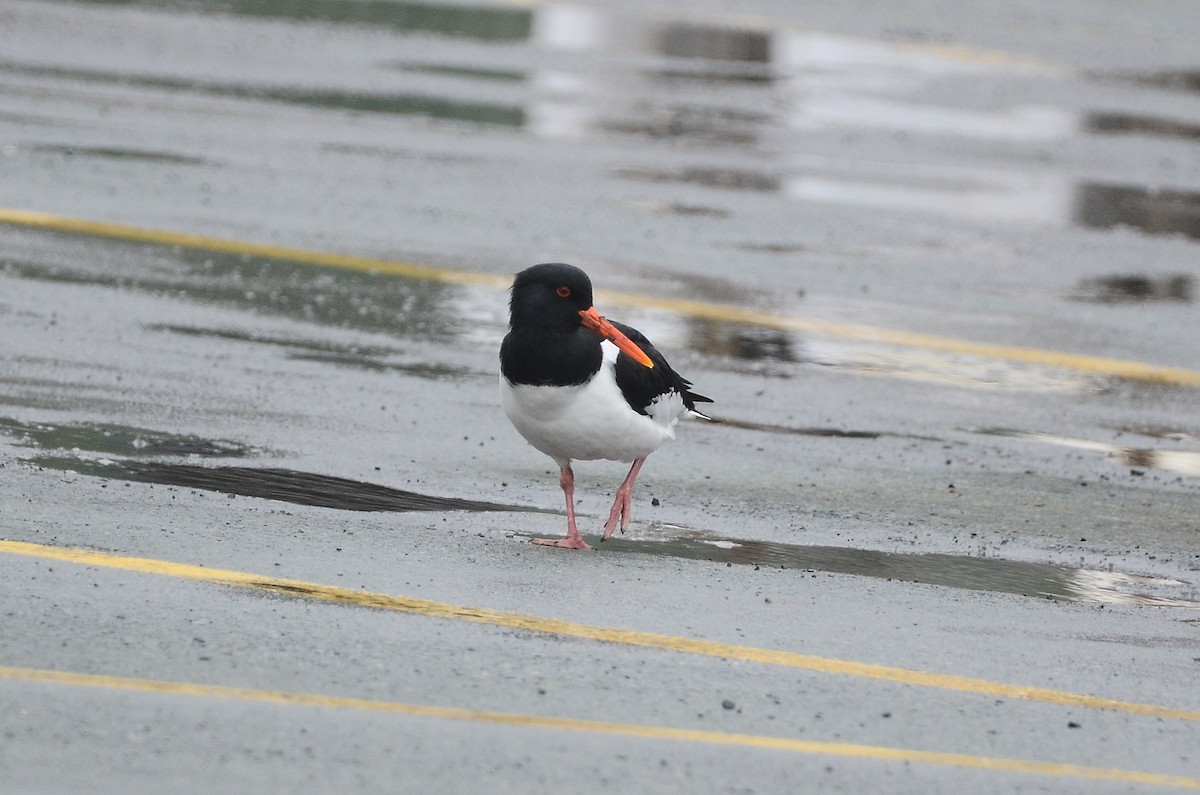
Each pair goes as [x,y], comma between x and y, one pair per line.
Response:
[554,332]
[550,297]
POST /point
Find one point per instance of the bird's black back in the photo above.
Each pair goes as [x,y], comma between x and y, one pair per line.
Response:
[641,385]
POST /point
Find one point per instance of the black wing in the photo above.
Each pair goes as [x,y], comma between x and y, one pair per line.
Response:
[641,385]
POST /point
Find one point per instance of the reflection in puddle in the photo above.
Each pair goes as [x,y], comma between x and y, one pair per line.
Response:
[1181,461]
[1134,288]
[816,81]
[774,353]
[300,488]
[955,571]
[969,194]
[744,343]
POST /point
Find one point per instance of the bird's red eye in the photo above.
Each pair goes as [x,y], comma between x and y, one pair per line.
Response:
[563,291]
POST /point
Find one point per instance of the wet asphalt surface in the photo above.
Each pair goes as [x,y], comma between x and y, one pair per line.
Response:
[1020,178]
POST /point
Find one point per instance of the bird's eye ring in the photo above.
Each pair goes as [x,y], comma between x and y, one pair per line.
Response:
[563,291]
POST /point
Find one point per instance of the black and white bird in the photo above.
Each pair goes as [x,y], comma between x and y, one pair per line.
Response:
[580,387]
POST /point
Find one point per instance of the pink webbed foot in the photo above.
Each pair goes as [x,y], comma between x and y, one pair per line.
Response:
[568,542]
[573,540]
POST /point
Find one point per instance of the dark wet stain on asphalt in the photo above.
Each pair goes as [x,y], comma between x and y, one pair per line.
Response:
[300,488]
[765,427]
[1156,211]
[474,73]
[955,571]
[1111,123]
[1133,288]
[326,491]
[1168,79]
[120,153]
[721,178]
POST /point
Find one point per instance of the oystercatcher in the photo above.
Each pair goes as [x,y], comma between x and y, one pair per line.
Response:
[580,387]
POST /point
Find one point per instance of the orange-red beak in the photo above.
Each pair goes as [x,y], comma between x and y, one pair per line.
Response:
[590,318]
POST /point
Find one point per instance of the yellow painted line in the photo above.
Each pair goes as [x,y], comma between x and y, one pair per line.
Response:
[551,626]
[724,313]
[137,234]
[720,313]
[872,752]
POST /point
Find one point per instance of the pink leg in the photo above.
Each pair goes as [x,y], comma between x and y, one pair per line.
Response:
[623,502]
[573,540]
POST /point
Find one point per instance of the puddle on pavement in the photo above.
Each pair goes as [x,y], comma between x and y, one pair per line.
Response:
[431,311]
[578,71]
[306,488]
[374,358]
[119,440]
[954,571]
[1135,288]
[1169,79]
[372,302]
[300,488]
[559,70]
[489,23]
[396,103]
[1159,432]
[135,444]
[772,353]
[980,574]
[1185,462]
[1112,123]
[1154,211]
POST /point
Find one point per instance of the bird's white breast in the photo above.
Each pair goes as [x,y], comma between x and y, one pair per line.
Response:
[591,420]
